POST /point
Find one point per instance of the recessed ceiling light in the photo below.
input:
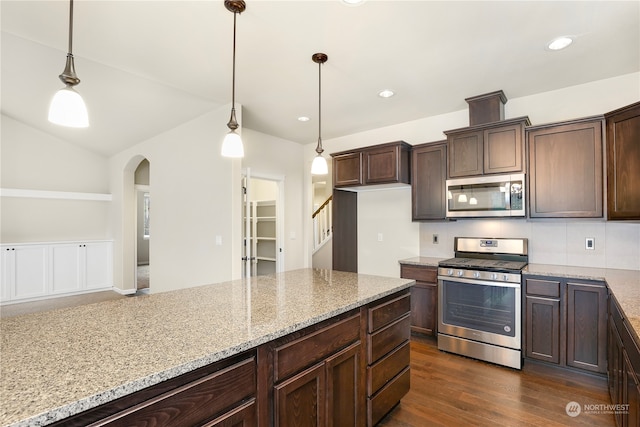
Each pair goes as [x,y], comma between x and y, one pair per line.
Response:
[560,43]
[303,119]
[387,93]
[353,2]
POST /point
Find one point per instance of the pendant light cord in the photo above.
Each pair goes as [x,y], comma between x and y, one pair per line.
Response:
[233,77]
[319,149]
[70,26]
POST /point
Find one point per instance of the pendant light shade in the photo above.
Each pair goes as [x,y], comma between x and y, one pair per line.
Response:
[232,145]
[319,165]
[67,107]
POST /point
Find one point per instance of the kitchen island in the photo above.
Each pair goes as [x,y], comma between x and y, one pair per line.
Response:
[65,362]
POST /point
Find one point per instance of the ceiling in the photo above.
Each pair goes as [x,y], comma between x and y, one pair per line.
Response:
[148,66]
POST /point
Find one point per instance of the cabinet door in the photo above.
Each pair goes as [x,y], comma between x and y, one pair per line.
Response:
[623,163]
[631,394]
[345,396]
[65,268]
[300,401]
[428,178]
[382,165]
[347,169]
[6,274]
[543,329]
[615,366]
[424,308]
[565,170]
[98,265]
[466,154]
[587,327]
[29,266]
[503,149]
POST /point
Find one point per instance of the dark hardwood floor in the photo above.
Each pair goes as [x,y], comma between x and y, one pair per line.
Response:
[451,390]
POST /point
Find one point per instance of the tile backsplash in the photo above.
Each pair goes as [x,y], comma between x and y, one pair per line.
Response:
[558,242]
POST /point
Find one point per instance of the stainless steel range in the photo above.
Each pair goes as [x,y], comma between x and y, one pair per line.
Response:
[479,300]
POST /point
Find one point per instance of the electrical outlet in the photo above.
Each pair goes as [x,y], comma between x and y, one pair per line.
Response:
[435,239]
[590,243]
[380,237]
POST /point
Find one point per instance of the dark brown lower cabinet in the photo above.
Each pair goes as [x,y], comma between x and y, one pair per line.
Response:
[424,297]
[624,369]
[565,322]
[543,329]
[587,326]
[388,357]
[220,394]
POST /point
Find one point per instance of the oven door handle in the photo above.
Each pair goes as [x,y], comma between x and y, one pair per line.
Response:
[479,282]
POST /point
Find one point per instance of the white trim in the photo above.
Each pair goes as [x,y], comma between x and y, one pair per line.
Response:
[124,291]
[46,194]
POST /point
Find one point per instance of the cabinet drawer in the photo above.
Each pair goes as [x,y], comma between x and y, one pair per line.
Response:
[422,274]
[387,312]
[544,288]
[388,397]
[388,338]
[242,416]
[296,355]
[195,402]
[388,367]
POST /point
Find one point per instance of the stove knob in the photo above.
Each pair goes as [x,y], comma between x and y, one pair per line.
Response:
[505,277]
[494,276]
[476,274]
[460,273]
[450,272]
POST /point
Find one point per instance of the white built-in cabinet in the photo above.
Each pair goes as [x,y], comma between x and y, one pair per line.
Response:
[34,271]
[263,236]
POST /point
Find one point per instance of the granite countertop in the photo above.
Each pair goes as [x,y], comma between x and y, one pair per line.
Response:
[58,363]
[624,286]
[422,260]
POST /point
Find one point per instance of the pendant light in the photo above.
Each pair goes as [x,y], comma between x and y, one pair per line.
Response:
[319,165]
[232,144]
[67,107]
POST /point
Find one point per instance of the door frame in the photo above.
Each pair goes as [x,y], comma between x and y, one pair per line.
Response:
[280,203]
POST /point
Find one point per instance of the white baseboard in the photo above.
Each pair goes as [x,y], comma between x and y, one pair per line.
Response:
[124,291]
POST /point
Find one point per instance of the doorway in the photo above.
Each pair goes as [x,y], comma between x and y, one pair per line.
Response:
[143,229]
[263,221]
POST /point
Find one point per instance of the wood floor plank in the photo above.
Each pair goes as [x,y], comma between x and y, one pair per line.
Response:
[451,390]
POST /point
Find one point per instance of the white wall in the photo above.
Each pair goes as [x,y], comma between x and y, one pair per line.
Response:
[34,160]
[192,188]
[268,155]
[552,241]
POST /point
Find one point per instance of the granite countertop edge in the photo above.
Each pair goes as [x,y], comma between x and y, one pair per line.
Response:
[89,402]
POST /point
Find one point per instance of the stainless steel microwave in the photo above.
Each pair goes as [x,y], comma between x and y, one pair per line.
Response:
[486,196]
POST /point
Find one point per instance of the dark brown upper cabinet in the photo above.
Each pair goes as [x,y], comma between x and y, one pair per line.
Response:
[428,178]
[565,169]
[347,169]
[489,148]
[379,164]
[623,163]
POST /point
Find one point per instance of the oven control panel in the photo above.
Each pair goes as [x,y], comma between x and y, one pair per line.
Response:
[487,276]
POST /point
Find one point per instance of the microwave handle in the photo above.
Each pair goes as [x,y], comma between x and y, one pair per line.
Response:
[507,195]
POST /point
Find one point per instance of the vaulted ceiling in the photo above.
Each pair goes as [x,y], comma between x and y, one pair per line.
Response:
[147,66]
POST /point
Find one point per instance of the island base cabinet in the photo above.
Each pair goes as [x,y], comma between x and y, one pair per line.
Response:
[324,395]
[220,394]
